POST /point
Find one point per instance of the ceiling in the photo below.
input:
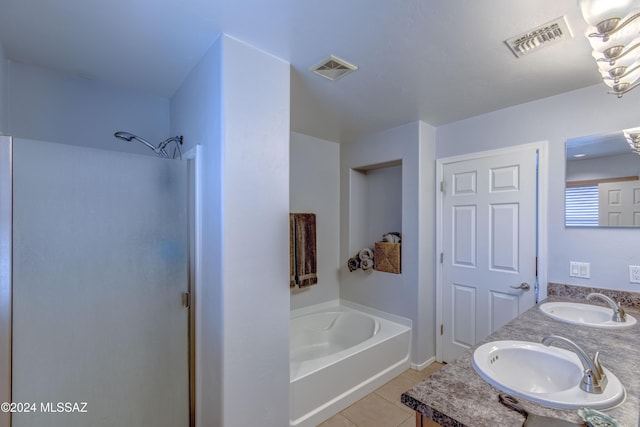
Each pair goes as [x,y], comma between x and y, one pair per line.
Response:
[595,146]
[432,60]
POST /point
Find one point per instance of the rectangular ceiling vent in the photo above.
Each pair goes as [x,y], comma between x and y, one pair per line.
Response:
[544,35]
[333,68]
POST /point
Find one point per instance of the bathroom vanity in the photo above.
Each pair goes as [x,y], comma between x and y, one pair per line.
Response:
[457,396]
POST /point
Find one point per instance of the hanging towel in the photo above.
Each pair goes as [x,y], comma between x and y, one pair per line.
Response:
[292,246]
[302,243]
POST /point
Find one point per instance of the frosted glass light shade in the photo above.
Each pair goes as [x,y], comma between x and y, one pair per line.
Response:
[596,11]
[624,74]
[623,83]
[627,60]
[622,37]
[632,77]
[633,139]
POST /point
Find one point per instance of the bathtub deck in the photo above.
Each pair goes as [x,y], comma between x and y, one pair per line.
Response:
[382,408]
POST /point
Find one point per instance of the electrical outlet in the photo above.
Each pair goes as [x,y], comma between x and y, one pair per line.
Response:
[580,269]
[634,274]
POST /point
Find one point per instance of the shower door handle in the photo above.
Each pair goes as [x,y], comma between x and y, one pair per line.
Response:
[524,286]
[186,299]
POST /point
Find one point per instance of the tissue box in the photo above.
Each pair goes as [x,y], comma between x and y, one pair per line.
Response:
[387,257]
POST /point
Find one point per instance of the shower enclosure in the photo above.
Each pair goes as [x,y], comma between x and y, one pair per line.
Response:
[98,286]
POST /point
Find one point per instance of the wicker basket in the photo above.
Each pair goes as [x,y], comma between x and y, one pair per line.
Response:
[387,257]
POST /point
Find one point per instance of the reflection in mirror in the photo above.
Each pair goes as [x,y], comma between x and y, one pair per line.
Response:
[602,186]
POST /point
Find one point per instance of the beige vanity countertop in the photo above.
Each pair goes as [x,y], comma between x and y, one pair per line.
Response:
[456,395]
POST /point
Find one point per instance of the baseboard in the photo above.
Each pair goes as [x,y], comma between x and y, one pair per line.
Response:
[421,366]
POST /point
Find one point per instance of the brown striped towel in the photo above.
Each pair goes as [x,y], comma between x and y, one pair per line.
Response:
[302,247]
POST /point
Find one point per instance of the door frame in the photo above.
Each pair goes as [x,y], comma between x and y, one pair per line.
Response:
[6,263]
[195,202]
[543,187]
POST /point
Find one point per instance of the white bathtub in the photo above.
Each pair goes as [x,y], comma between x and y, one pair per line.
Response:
[338,355]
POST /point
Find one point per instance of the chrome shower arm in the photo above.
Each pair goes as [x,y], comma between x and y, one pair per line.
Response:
[145,142]
[160,149]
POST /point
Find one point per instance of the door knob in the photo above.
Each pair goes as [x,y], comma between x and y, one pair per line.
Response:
[524,286]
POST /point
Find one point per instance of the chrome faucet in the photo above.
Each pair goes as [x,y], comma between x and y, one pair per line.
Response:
[594,379]
[618,313]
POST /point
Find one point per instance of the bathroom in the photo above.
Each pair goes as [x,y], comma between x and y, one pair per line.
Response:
[237,358]
[606,249]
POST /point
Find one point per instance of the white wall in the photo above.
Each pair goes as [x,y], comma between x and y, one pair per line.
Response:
[4,78]
[425,341]
[256,106]
[51,106]
[243,123]
[384,207]
[314,186]
[411,293]
[196,113]
[603,167]
[582,112]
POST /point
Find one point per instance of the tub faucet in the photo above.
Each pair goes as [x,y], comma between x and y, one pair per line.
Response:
[594,379]
[618,312]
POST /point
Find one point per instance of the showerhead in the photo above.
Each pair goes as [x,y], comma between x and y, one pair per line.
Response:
[159,150]
[125,136]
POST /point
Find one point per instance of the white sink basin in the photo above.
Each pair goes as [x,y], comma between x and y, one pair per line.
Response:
[585,314]
[549,376]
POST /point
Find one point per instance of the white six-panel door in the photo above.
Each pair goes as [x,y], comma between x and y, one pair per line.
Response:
[619,203]
[488,246]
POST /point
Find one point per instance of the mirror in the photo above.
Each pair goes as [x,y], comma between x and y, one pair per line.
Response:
[602,188]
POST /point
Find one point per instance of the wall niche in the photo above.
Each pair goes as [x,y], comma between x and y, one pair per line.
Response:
[375,204]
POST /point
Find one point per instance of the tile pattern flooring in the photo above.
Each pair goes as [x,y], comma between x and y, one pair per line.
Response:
[382,408]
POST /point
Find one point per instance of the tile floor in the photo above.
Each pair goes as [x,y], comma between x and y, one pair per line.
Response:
[382,408]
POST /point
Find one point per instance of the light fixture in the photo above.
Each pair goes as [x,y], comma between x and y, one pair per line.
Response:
[615,38]
[633,139]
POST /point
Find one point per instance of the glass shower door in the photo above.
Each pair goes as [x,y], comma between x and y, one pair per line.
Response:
[100,264]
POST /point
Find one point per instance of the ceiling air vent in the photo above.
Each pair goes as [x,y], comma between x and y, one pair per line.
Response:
[544,35]
[333,68]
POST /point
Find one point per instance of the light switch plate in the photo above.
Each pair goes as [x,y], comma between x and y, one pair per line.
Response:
[575,270]
[580,269]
